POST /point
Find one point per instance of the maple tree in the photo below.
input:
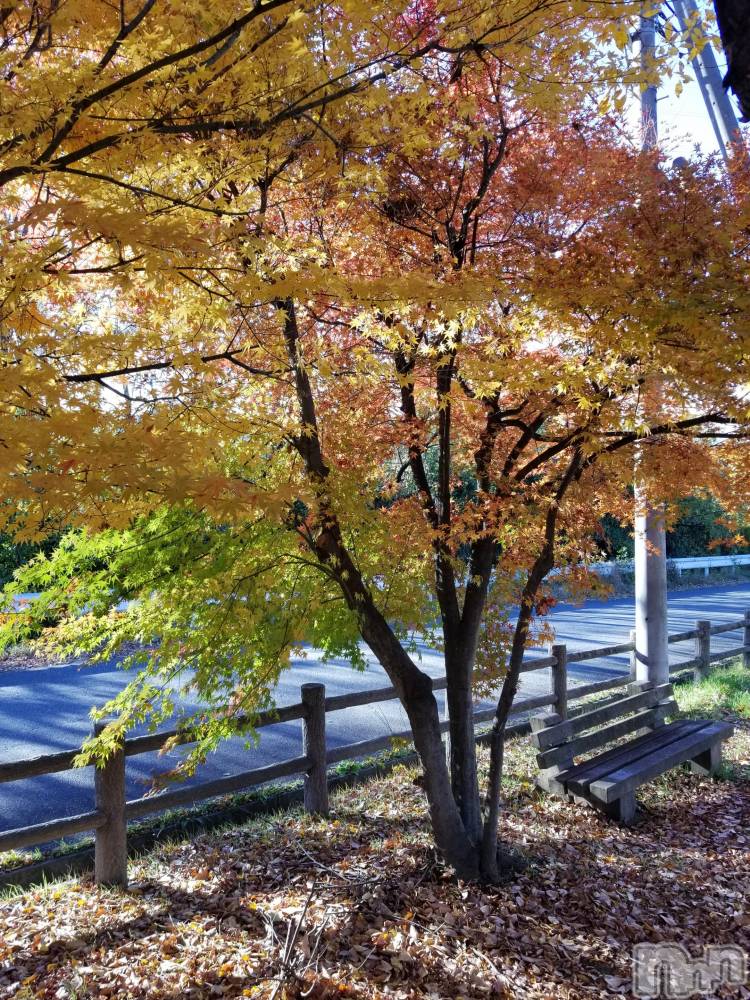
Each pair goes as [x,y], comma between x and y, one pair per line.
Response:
[340,376]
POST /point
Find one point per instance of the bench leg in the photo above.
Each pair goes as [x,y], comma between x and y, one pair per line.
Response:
[708,762]
[547,780]
[621,810]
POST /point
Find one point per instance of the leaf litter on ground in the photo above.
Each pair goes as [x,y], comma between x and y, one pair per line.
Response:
[360,906]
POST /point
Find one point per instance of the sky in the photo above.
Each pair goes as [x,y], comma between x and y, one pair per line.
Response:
[683,120]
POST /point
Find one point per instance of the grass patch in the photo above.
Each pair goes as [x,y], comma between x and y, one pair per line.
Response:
[725,692]
[15,859]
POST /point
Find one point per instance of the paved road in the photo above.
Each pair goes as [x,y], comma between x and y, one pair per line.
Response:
[45,710]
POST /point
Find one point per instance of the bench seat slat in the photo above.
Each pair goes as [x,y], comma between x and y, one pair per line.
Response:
[596,767]
[601,737]
[545,739]
[630,776]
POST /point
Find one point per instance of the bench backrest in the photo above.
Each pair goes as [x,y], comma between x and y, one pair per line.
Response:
[561,741]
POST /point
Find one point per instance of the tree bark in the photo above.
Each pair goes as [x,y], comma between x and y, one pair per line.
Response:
[460,659]
[415,691]
[459,666]
[489,849]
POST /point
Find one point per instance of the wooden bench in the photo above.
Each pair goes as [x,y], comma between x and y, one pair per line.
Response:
[609,779]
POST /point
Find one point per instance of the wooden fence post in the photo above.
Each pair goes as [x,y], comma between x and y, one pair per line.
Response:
[314,747]
[559,677]
[746,640]
[702,649]
[111,839]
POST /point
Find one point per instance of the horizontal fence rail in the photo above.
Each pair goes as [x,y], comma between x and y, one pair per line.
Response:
[112,812]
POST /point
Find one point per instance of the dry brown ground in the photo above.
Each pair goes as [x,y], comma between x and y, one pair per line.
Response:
[29,657]
[359,906]
[25,658]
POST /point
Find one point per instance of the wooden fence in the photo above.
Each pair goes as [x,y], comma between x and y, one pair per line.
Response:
[111,812]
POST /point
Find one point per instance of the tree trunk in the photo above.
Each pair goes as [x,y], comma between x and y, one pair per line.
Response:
[489,851]
[415,691]
[463,758]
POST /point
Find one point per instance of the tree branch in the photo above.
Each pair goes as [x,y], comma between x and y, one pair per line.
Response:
[231,356]
[661,429]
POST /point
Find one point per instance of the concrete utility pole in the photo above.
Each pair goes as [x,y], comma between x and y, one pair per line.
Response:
[651,646]
[719,107]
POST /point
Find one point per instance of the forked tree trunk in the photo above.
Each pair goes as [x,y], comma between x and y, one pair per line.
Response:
[415,691]
[456,819]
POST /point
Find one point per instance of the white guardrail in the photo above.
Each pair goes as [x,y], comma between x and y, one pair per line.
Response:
[706,563]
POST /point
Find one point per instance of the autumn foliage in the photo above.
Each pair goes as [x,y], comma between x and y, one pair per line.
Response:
[333,324]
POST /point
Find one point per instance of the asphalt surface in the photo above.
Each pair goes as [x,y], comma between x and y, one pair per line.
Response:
[47,710]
